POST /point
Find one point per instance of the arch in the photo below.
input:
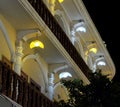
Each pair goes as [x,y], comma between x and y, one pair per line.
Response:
[36,57]
[62,21]
[60,68]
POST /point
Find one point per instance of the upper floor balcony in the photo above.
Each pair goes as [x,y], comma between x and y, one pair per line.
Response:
[66,48]
[79,46]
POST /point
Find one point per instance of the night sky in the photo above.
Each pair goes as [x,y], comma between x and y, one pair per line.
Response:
[105,16]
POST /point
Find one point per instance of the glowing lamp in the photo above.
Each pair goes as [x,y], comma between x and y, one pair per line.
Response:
[94,50]
[36,43]
[101,63]
[60,1]
[80,26]
[64,75]
[81,29]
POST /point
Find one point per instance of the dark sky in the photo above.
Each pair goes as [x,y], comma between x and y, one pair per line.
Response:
[105,16]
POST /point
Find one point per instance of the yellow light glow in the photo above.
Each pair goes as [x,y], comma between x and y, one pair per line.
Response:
[60,1]
[36,43]
[94,50]
[86,53]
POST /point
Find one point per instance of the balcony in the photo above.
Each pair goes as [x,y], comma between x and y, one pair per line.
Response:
[53,25]
[19,90]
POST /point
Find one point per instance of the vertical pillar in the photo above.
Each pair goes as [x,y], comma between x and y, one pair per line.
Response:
[18,58]
[51,86]
[76,39]
[52,6]
[73,37]
[81,48]
[90,61]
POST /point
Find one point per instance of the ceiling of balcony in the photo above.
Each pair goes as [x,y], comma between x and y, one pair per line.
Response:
[21,20]
[17,15]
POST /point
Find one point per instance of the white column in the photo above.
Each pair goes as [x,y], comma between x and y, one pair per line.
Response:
[52,6]
[76,39]
[18,58]
[81,48]
[90,61]
[51,86]
[73,37]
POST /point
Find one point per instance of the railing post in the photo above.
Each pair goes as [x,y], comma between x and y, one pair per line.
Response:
[4,79]
[25,94]
[9,82]
[20,91]
[14,92]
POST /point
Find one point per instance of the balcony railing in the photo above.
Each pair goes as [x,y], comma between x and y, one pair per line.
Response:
[20,91]
[53,25]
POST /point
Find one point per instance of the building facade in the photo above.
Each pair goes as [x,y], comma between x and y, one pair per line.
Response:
[43,41]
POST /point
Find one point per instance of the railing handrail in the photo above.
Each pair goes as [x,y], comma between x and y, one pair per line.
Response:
[15,87]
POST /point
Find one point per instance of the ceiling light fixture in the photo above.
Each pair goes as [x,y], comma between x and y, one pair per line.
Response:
[36,43]
[94,50]
[81,29]
[64,75]
[60,1]
[91,46]
[80,26]
[101,63]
